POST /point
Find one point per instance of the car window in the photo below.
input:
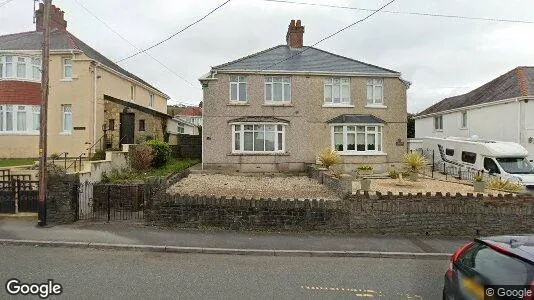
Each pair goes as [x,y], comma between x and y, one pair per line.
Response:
[496,267]
[491,166]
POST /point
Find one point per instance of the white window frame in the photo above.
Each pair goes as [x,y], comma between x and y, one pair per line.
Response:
[337,83]
[284,81]
[379,139]
[30,62]
[463,125]
[29,123]
[180,128]
[372,100]
[65,66]
[438,123]
[132,93]
[64,113]
[36,68]
[280,128]
[237,80]
[151,100]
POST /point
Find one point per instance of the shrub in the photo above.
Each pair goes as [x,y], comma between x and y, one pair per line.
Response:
[99,155]
[141,158]
[365,168]
[414,161]
[393,173]
[329,157]
[161,151]
[479,177]
[54,156]
[498,183]
[122,176]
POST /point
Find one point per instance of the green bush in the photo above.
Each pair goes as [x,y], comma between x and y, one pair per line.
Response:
[161,152]
[54,156]
[99,155]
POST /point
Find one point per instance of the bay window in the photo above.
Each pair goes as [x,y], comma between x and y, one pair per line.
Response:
[9,66]
[36,68]
[258,137]
[337,91]
[23,119]
[357,139]
[21,67]
[375,92]
[278,89]
[238,88]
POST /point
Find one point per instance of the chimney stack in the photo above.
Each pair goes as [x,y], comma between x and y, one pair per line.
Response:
[57,18]
[295,35]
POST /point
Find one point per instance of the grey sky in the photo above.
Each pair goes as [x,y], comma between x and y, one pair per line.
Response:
[441,57]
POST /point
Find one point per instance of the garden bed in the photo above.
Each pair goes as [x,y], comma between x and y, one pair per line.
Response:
[424,185]
[294,187]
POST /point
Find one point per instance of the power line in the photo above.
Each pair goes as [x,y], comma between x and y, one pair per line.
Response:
[333,34]
[5,2]
[131,44]
[405,12]
[175,34]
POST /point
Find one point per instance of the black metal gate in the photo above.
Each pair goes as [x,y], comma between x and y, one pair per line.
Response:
[107,202]
[18,190]
[127,128]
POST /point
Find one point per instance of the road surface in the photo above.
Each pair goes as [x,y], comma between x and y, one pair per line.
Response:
[98,274]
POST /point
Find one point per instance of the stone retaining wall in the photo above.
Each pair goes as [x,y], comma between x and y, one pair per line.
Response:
[61,201]
[432,215]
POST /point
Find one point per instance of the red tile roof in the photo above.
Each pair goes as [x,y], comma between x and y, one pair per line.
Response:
[192,111]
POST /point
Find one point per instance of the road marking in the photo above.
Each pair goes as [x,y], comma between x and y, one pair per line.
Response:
[362,293]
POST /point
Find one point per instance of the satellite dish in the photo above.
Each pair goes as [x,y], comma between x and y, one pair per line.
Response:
[474,138]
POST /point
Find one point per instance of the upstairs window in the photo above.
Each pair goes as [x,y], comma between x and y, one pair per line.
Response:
[36,68]
[151,100]
[464,120]
[375,92]
[181,129]
[67,68]
[20,67]
[337,91]
[132,92]
[9,66]
[238,88]
[141,125]
[438,123]
[278,89]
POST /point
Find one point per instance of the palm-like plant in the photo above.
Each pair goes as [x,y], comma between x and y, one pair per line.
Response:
[497,183]
[414,161]
[329,157]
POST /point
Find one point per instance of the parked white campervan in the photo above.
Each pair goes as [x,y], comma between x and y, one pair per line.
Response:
[507,160]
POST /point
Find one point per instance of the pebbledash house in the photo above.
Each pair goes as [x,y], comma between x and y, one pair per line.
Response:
[275,110]
[88,94]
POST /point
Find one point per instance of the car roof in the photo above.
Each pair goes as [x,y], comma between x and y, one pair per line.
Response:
[521,246]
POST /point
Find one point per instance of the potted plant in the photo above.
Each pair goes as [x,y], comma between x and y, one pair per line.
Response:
[479,184]
[414,162]
[365,184]
[365,170]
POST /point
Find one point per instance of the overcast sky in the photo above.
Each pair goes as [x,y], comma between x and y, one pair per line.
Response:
[442,57]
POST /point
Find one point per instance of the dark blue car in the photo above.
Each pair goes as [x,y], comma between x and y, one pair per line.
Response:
[500,267]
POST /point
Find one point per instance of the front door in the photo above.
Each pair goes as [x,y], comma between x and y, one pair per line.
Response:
[127,128]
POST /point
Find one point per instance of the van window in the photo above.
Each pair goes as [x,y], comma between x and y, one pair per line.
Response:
[469,157]
[449,152]
[491,166]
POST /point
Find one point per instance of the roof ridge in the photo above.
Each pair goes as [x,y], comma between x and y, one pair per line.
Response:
[248,56]
[521,78]
[354,60]
[24,32]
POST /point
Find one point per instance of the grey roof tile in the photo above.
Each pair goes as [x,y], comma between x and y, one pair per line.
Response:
[306,59]
[503,87]
[356,119]
[61,40]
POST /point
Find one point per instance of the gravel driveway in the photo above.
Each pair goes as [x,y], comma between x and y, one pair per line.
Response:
[295,187]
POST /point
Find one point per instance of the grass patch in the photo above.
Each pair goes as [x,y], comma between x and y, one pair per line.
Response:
[129,176]
[173,166]
[11,162]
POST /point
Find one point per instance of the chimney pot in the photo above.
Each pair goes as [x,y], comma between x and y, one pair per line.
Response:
[57,18]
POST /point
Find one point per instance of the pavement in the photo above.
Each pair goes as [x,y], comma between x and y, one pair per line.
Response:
[112,274]
[129,235]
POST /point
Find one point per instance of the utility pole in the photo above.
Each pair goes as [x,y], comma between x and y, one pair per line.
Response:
[44,113]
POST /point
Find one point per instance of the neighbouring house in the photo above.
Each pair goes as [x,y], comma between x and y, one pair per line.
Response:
[275,110]
[191,114]
[176,127]
[89,95]
[502,109]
